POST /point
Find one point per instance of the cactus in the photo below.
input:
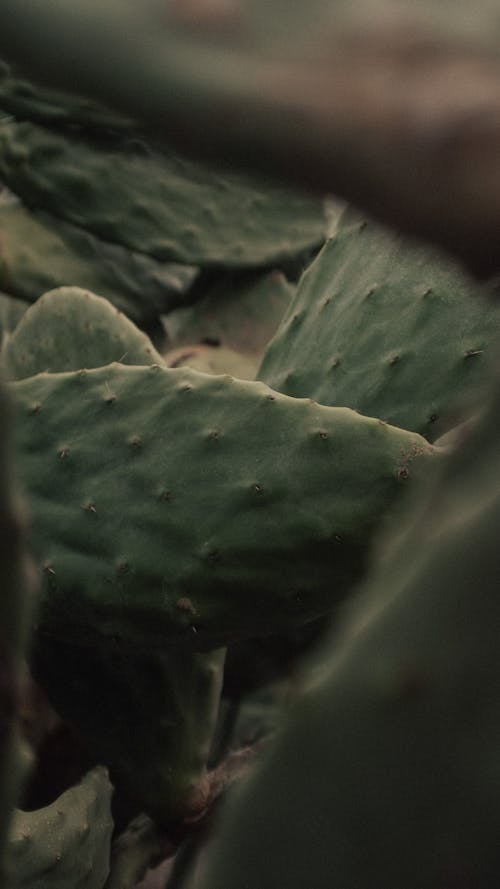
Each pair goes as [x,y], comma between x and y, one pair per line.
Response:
[25,100]
[65,845]
[387,327]
[393,746]
[16,604]
[71,328]
[237,313]
[175,512]
[118,460]
[132,851]
[170,698]
[41,252]
[169,208]
[11,312]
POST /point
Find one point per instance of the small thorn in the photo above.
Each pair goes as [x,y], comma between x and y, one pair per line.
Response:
[472,352]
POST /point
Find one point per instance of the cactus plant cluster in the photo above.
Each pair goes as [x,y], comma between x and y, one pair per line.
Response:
[249,540]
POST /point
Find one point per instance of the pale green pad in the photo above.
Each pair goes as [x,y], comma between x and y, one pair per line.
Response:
[67,844]
[69,329]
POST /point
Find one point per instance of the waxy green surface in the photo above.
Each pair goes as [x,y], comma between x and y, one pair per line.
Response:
[168,504]
[388,327]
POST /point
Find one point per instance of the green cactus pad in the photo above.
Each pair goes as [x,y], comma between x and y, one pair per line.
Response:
[40,252]
[67,844]
[170,504]
[169,698]
[70,328]
[17,586]
[238,313]
[11,312]
[387,774]
[387,327]
[28,101]
[167,207]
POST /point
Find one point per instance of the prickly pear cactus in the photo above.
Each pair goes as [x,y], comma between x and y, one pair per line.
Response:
[23,99]
[240,313]
[16,603]
[67,844]
[170,701]
[285,493]
[387,327]
[169,208]
[11,312]
[394,746]
[41,252]
[70,328]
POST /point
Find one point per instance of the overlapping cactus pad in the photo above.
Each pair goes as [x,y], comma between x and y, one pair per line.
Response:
[387,775]
[170,504]
[386,326]
[71,326]
[17,589]
[169,700]
[41,252]
[170,208]
[67,844]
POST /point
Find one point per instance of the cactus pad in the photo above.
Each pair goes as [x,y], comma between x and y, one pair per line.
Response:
[170,504]
[170,700]
[69,328]
[387,327]
[394,746]
[235,313]
[167,207]
[41,252]
[67,844]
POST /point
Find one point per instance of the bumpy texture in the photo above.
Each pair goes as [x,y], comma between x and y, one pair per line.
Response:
[30,101]
[67,844]
[40,252]
[162,205]
[171,699]
[168,503]
[387,327]
[387,774]
[70,328]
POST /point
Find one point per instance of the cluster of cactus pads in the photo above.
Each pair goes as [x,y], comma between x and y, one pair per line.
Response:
[227,424]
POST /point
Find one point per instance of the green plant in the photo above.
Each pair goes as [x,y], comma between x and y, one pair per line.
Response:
[192,530]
